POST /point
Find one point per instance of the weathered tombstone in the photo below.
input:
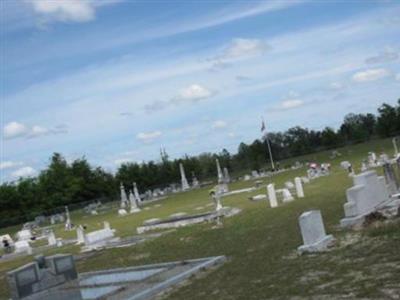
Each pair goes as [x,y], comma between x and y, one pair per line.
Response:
[227,178]
[122,212]
[247,177]
[195,182]
[124,198]
[299,187]
[313,232]
[22,247]
[24,235]
[184,182]
[219,171]
[68,223]
[107,225]
[6,243]
[133,205]
[391,178]
[136,192]
[255,174]
[51,239]
[98,236]
[287,196]
[396,150]
[368,192]
[345,165]
[289,185]
[272,195]
[80,233]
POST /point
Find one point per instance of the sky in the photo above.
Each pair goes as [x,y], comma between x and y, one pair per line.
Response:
[116,80]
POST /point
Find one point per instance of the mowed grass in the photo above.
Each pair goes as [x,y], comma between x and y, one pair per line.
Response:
[261,243]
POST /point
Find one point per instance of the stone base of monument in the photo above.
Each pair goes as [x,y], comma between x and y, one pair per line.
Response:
[180,221]
[319,246]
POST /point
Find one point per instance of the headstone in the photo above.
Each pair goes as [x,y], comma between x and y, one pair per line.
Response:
[80,233]
[184,182]
[122,212]
[364,167]
[219,171]
[287,196]
[368,192]
[255,174]
[372,161]
[272,195]
[195,182]
[98,236]
[391,178]
[299,187]
[133,205]
[51,239]
[313,232]
[247,177]
[136,192]
[124,198]
[227,178]
[217,201]
[289,185]
[6,242]
[22,247]
[396,150]
[68,223]
[107,225]
[24,235]
[345,165]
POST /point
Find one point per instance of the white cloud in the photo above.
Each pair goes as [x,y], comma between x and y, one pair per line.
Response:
[17,130]
[9,164]
[232,134]
[336,86]
[191,94]
[65,10]
[194,92]
[370,75]
[291,103]
[14,130]
[240,47]
[148,136]
[398,77]
[24,172]
[219,124]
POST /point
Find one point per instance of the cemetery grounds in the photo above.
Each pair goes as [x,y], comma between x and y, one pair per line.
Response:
[260,242]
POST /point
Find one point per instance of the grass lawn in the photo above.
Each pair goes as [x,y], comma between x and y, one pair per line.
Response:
[260,243]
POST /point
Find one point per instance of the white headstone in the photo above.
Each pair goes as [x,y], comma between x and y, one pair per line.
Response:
[396,150]
[313,232]
[51,239]
[287,196]
[122,212]
[272,195]
[124,198]
[24,235]
[299,187]
[80,233]
[136,192]
[98,236]
[185,184]
[133,206]
[68,223]
[107,225]
[220,175]
[227,178]
[23,246]
[368,192]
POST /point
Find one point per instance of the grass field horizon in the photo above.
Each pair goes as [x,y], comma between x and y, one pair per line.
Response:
[260,243]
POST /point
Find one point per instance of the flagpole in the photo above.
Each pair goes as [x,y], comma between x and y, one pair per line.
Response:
[269,148]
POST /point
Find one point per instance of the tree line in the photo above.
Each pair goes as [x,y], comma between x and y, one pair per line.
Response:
[63,183]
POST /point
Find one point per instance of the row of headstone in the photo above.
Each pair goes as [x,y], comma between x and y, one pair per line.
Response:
[286,194]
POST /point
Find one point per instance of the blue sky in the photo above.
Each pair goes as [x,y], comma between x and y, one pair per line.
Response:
[115,80]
